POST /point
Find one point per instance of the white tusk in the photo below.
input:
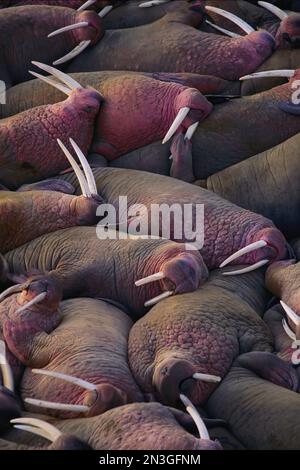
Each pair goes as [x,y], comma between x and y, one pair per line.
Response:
[290,313]
[7,375]
[33,430]
[70,27]
[63,77]
[13,290]
[152,3]
[80,176]
[207,377]
[52,82]
[86,5]
[105,11]
[244,251]
[56,406]
[223,30]
[182,114]
[191,130]
[235,19]
[86,168]
[157,299]
[288,331]
[68,378]
[192,411]
[285,73]
[74,53]
[148,279]
[38,299]
[37,424]
[273,9]
[248,269]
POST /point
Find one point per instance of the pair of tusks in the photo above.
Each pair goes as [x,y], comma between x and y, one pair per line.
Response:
[37,427]
[51,433]
[244,251]
[7,375]
[82,24]
[293,317]
[241,23]
[19,288]
[153,278]
[62,406]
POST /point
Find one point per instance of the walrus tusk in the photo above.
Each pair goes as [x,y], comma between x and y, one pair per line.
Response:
[152,3]
[14,290]
[51,82]
[230,16]
[193,412]
[288,331]
[7,375]
[74,53]
[68,378]
[290,313]
[80,176]
[273,9]
[182,114]
[86,5]
[151,278]
[244,251]
[38,299]
[86,168]
[105,11]
[38,427]
[248,269]
[285,73]
[207,377]
[70,27]
[56,406]
[58,74]
[223,30]
[157,299]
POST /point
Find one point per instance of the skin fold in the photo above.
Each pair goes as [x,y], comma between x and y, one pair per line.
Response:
[270,172]
[227,227]
[138,426]
[90,267]
[202,332]
[219,142]
[181,48]
[29,149]
[262,415]
[27,215]
[28,28]
[100,357]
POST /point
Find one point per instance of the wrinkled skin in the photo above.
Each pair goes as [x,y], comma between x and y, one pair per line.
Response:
[29,149]
[64,442]
[36,93]
[100,357]
[235,131]
[286,32]
[262,415]
[199,332]
[91,267]
[271,173]
[28,28]
[138,426]
[227,227]
[26,215]
[181,48]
